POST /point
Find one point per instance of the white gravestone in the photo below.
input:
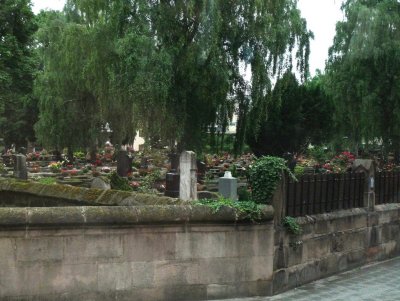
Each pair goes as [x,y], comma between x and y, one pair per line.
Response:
[188,178]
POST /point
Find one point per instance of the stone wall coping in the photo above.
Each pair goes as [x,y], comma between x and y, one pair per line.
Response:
[122,215]
[345,213]
[86,196]
[387,207]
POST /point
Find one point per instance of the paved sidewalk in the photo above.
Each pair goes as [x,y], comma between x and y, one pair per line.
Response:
[376,282]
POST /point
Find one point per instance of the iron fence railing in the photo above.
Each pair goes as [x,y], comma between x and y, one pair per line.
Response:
[320,193]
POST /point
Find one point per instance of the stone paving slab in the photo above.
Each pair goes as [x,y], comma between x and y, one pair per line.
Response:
[379,281]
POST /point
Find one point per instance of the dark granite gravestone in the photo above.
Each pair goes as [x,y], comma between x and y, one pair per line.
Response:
[201,171]
[174,158]
[172,184]
[124,164]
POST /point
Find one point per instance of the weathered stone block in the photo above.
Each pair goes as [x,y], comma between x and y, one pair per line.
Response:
[280,257]
[316,248]
[294,253]
[184,293]
[280,281]
[355,240]
[388,216]
[39,249]
[204,245]
[304,274]
[373,219]
[375,236]
[218,291]
[45,279]
[256,243]
[141,246]
[92,248]
[177,273]
[125,276]
[220,270]
[322,226]
[389,249]
[6,251]
[258,268]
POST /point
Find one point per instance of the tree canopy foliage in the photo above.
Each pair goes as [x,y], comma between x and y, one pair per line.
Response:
[297,115]
[17,68]
[173,69]
[363,72]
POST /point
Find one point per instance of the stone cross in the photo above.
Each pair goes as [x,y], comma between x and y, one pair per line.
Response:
[188,179]
[20,169]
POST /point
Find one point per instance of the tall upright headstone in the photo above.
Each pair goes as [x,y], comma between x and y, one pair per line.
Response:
[124,163]
[188,178]
[20,169]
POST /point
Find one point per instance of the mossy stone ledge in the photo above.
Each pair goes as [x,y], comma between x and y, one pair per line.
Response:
[26,204]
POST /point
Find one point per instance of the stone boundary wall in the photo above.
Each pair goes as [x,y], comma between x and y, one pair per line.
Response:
[149,263]
[150,252]
[335,242]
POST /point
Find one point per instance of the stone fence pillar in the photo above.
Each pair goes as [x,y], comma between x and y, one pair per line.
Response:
[368,168]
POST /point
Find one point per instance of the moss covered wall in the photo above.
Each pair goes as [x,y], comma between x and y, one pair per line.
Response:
[28,194]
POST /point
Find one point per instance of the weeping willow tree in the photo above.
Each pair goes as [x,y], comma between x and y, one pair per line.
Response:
[17,68]
[173,69]
[67,104]
[363,72]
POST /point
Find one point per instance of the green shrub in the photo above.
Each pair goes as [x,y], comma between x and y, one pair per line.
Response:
[80,155]
[264,176]
[251,210]
[244,194]
[148,182]
[118,182]
[298,171]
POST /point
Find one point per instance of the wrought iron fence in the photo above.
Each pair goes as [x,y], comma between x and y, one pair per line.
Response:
[313,194]
[387,187]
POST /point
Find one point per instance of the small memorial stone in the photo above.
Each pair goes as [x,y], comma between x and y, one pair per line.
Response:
[227,186]
[99,183]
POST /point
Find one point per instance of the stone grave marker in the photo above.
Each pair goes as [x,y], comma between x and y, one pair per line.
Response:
[174,158]
[188,178]
[201,171]
[100,183]
[124,163]
[227,186]
[20,169]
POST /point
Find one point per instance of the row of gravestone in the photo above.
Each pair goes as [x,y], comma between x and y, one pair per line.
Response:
[187,176]
[184,183]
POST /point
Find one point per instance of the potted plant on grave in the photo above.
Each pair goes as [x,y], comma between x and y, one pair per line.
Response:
[55,167]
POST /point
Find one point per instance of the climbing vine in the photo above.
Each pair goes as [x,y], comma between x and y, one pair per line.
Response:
[291,225]
[264,176]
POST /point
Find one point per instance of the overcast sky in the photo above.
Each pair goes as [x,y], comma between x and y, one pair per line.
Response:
[321,16]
